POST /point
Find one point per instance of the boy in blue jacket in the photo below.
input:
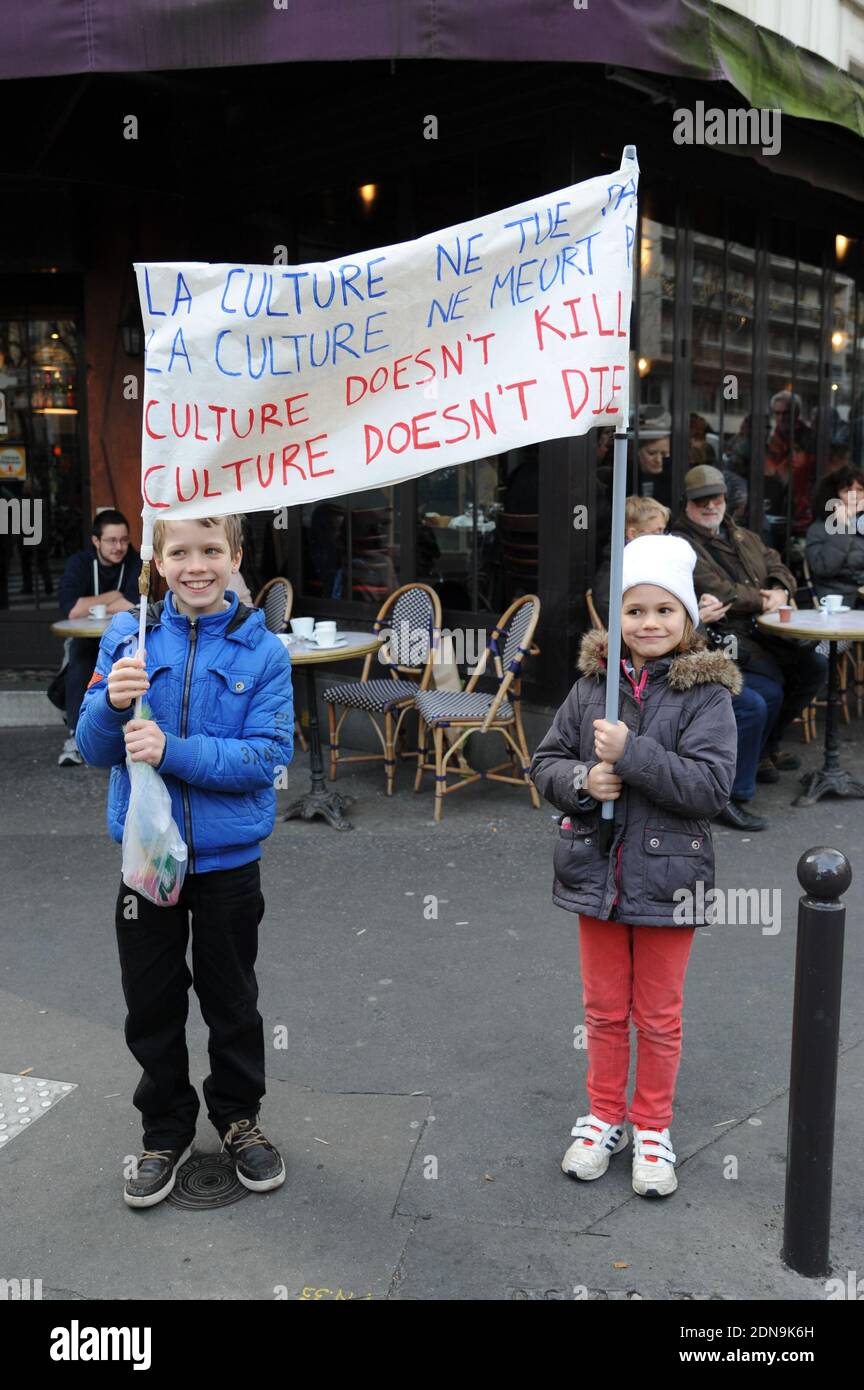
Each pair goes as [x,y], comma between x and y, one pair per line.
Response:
[218,686]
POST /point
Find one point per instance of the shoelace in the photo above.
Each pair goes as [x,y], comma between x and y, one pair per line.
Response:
[243,1139]
[157,1153]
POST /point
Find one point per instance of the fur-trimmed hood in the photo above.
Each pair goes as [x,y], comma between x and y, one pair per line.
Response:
[699,666]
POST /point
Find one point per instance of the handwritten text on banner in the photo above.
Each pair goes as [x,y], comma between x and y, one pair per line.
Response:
[267,386]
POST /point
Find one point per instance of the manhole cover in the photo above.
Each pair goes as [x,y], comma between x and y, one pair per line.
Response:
[207,1180]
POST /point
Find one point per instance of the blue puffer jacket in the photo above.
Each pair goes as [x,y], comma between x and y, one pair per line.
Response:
[221,692]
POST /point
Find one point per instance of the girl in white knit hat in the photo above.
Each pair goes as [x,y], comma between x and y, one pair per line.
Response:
[668,764]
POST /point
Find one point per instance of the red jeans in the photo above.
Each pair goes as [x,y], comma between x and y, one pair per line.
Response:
[641,969]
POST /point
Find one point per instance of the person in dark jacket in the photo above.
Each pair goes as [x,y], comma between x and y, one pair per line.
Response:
[106,571]
[668,764]
[643,516]
[835,539]
[219,730]
[742,572]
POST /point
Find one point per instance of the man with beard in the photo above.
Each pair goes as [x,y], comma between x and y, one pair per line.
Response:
[743,573]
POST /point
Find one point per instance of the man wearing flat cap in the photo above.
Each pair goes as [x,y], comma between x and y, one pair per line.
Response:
[748,578]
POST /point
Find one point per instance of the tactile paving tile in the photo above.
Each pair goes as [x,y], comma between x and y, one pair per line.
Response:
[24,1099]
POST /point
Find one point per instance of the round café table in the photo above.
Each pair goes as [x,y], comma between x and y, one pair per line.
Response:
[830,779]
[320,800]
[80,627]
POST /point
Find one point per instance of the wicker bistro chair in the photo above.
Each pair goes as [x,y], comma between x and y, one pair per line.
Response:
[413,614]
[596,621]
[472,711]
[277,601]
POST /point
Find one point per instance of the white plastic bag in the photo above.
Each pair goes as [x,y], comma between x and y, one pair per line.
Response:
[154,852]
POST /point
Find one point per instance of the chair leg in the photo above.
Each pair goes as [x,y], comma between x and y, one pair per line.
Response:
[334,740]
[844,684]
[526,756]
[389,753]
[298,730]
[439,771]
[422,735]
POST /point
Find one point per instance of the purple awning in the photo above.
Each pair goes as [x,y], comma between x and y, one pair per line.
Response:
[47,37]
[680,38]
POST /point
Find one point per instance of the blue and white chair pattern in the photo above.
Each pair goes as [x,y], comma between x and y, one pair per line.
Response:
[411,616]
[474,711]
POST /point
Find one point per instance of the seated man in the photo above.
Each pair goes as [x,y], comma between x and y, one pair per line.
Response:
[106,571]
[747,578]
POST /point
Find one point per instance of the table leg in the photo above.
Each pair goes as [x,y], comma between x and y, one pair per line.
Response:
[319,800]
[831,779]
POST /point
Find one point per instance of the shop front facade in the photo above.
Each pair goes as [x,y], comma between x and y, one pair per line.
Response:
[747,333]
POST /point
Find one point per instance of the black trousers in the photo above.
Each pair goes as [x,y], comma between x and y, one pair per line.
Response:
[226,908]
[83,654]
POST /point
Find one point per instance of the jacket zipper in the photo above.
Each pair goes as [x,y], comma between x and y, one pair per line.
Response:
[184,719]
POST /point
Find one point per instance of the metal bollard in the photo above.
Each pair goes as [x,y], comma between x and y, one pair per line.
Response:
[824,874]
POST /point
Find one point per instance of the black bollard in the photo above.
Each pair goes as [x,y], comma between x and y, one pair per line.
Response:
[824,874]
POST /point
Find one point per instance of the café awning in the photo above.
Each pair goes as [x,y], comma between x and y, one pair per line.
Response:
[697,39]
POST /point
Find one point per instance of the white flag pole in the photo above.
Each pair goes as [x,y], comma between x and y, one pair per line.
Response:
[144,586]
[619,496]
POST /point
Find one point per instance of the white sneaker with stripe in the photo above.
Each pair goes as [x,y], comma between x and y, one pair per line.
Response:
[595,1141]
[653,1163]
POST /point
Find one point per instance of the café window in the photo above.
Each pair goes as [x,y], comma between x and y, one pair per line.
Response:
[477,526]
[475,537]
[40,455]
[350,547]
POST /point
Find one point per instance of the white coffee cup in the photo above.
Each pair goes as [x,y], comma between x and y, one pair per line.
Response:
[325,634]
[831,602]
[303,627]
[99,610]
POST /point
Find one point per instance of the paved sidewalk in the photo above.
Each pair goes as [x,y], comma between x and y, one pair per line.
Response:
[429,1083]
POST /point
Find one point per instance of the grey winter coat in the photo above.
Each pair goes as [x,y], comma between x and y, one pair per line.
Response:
[836,562]
[677,767]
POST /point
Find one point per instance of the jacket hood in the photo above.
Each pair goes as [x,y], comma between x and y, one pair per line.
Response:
[700,666]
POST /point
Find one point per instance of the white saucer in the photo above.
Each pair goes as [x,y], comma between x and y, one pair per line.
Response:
[844,608]
[325,646]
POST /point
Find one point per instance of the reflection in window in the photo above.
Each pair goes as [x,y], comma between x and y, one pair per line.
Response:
[651,450]
[39,453]
[793,356]
[458,544]
[845,328]
[350,546]
[657,305]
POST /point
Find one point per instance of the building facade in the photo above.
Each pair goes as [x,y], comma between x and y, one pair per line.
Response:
[747,333]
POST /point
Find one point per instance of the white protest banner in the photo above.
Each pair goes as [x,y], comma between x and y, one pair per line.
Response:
[271,385]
